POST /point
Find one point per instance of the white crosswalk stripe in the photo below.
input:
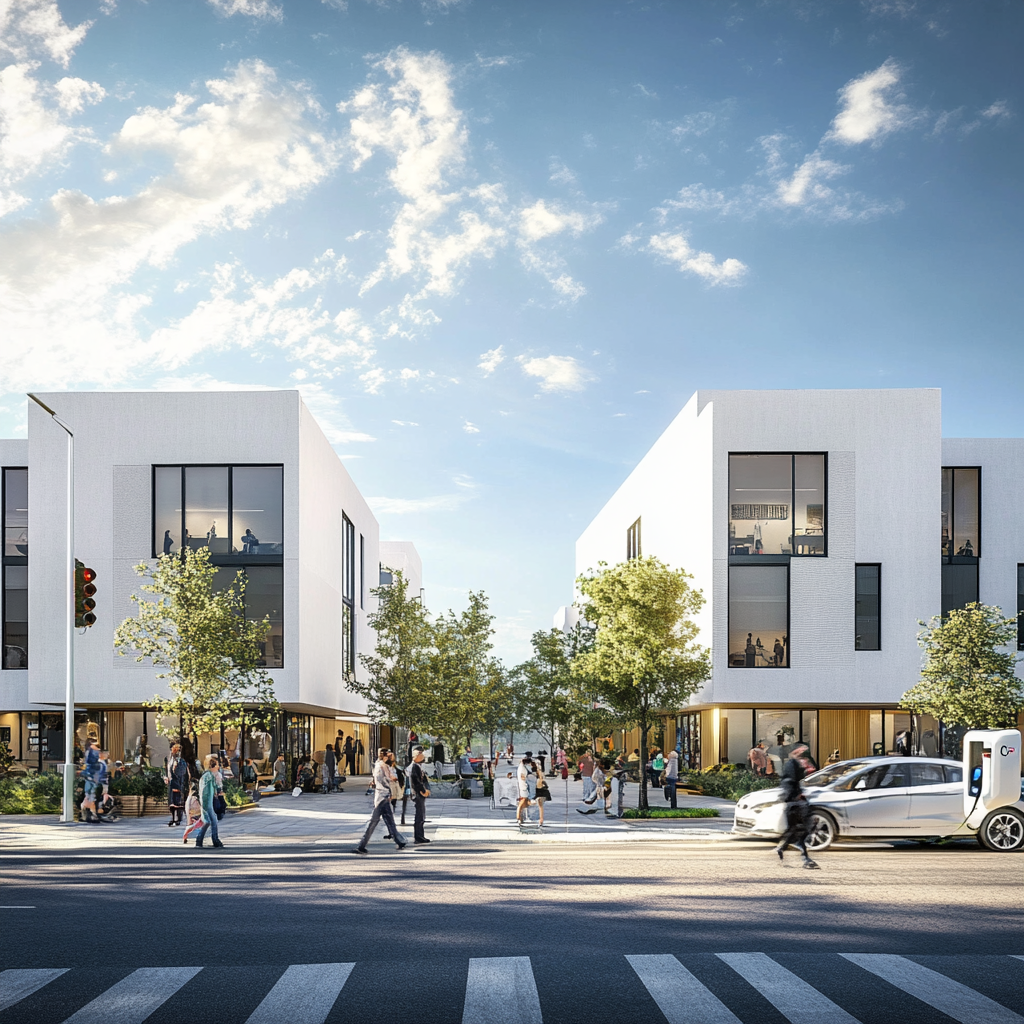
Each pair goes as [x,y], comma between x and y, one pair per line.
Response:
[134,998]
[953,999]
[18,985]
[790,995]
[304,994]
[501,990]
[679,995]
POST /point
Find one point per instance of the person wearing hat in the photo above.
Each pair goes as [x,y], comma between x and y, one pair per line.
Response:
[798,811]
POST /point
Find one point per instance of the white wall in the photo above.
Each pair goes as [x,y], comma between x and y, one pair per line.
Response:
[403,556]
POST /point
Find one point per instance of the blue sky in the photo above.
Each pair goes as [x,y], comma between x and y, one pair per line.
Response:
[498,245]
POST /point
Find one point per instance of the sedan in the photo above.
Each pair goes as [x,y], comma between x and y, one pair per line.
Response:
[883,798]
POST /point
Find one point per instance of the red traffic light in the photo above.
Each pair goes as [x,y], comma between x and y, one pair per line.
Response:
[88,575]
[85,593]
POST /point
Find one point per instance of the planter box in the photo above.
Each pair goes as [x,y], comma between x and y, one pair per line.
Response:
[132,806]
[156,807]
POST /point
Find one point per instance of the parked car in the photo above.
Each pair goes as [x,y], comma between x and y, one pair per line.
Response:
[883,798]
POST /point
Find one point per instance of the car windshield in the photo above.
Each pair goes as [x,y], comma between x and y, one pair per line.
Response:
[828,775]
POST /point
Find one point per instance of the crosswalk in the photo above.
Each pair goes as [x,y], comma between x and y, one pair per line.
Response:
[699,988]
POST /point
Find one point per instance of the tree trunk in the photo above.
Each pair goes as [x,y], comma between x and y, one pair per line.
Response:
[644,727]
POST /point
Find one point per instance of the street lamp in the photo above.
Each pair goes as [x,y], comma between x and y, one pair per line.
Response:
[67,813]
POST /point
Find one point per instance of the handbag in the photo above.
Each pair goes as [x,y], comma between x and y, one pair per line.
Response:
[220,805]
[396,789]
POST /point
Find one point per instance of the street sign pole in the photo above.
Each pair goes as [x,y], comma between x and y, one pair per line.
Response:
[67,813]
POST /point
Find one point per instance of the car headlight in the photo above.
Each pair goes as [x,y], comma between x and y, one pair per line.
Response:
[764,807]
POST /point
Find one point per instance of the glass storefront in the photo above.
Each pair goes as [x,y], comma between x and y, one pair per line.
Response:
[688,739]
[777,731]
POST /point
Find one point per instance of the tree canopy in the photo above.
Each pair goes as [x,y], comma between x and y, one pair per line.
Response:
[968,675]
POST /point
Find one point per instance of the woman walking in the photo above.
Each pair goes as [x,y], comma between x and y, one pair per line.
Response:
[208,786]
[177,784]
[383,777]
[543,794]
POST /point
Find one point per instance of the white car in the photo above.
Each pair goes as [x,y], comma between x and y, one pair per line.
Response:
[882,798]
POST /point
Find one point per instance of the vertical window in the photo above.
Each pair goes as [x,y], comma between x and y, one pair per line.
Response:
[264,599]
[777,504]
[348,593]
[959,585]
[168,487]
[759,616]
[206,508]
[633,549]
[257,526]
[15,569]
[961,511]
[362,571]
[868,608]
[1020,607]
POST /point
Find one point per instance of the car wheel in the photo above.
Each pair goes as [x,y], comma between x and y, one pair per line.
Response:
[821,830]
[1002,831]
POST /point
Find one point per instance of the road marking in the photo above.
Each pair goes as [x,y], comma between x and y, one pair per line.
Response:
[944,994]
[501,990]
[134,998]
[679,995]
[304,994]
[18,985]
[790,995]
[17,908]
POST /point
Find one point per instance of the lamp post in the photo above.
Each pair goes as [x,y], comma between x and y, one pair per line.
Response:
[67,813]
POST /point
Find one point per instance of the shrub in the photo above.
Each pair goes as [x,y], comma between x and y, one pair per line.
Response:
[668,812]
[234,794]
[149,782]
[729,785]
[31,794]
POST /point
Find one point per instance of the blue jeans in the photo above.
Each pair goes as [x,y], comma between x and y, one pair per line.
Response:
[382,810]
[588,787]
[212,826]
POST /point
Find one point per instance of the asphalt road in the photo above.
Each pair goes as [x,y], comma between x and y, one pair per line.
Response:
[411,922]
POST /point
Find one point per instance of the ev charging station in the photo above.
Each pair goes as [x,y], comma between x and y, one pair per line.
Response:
[991,772]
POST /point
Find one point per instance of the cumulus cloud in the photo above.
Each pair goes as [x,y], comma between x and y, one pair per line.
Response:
[675,249]
[542,221]
[491,359]
[867,112]
[65,278]
[36,28]
[556,373]
[470,428]
[261,10]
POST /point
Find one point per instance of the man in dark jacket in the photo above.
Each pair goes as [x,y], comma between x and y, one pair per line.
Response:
[327,776]
[420,790]
[797,810]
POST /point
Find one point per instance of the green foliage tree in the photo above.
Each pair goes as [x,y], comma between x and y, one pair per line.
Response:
[968,676]
[644,658]
[397,688]
[211,655]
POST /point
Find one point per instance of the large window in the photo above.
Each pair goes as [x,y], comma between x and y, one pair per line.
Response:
[868,608]
[15,568]
[759,616]
[777,504]
[961,511]
[633,549]
[237,513]
[348,593]
[959,585]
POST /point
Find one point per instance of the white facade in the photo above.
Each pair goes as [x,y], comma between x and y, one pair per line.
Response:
[884,456]
[119,439]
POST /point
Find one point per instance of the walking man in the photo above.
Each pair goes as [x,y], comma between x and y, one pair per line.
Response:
[383,776]
[798,811]
[420,792]
[587,771]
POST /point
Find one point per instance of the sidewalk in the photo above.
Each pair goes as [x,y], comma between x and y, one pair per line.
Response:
[338,819]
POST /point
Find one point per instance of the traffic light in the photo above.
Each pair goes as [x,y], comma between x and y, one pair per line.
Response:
[85,595]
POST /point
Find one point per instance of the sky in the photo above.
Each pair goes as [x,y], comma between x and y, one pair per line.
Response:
[497,246]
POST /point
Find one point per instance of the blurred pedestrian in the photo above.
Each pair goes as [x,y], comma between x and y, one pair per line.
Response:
[350,755]
[383,778]
[280,772]
[177,784]
[798,811]
[523,779]
[757,758]
[207,791]
[90,775]
[671,777]
[329,765]
[420,791]
[543,793]
[586,767]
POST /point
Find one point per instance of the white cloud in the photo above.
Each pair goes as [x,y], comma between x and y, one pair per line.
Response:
[74,93]
[1000,109]
[405,423]
[491,359]
[36,27]
[542,221]
[557,373]
[805,185]
[65,279]
[674,248]
[470,428]
[867,113]
[406,506]
[261,10]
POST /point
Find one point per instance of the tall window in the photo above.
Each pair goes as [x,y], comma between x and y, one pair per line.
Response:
[348,594]
[961,511]
[1020,607]
[868,611]
[237,512]
[362,571]
[777,504]
[759,616]
[633,549]
[15,568]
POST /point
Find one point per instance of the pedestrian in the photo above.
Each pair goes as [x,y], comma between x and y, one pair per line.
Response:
[403,777]
[328,772]
[90,774]
[543,793]
[541,755]
[177,785]
[586,767]
[657,766]
[798,811]
[397,785]
[350,755]
[438,753]
[360,751]
[207,791]
[757,758]
[280,772]
[420,790]
[561,762]
[523,773]
[597,785]
[671,777]
[383,777]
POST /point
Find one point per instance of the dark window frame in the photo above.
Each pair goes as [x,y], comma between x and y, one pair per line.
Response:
[792,488]
[362,571]
[952,516]
[878,630]
[789,607]
[634,544]
[1020,607]
[5,561]
[348,595]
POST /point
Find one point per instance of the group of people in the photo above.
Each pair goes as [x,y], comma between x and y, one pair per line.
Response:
[391,784]
[195,796]
[97,806]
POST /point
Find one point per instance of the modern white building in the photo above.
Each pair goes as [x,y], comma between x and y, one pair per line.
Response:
[811,521]
[248,474]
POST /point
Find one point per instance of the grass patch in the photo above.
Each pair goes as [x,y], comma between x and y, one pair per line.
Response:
[668,812]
